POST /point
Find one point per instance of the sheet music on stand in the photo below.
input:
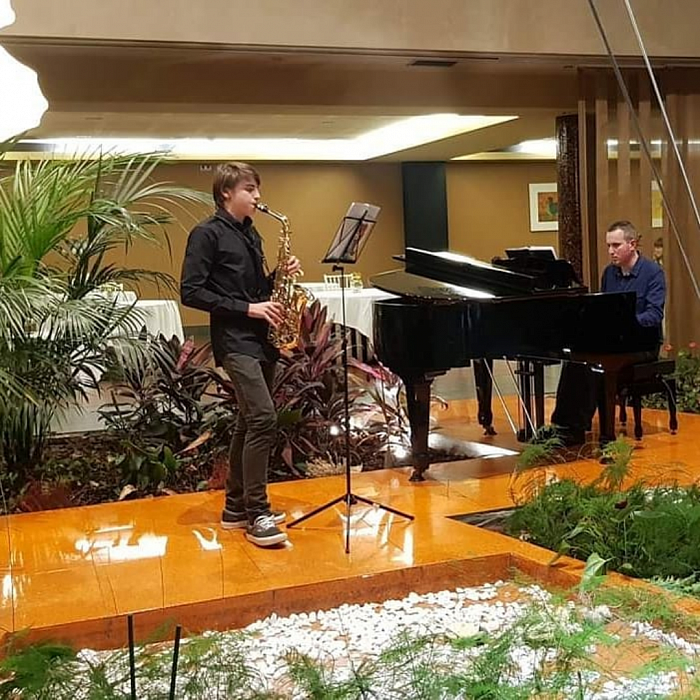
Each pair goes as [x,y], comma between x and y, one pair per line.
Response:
[345,248]
[544,252]
[352,234]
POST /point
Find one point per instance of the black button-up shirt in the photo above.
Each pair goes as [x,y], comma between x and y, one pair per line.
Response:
[223,273]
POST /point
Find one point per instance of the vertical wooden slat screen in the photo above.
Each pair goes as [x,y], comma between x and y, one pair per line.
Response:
[645,174]
[682,89]
[622,177]
[623,207]
[623,180]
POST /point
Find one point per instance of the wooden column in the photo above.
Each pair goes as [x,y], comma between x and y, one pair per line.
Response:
[570,232]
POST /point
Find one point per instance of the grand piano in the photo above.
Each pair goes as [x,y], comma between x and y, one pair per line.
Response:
[451,309]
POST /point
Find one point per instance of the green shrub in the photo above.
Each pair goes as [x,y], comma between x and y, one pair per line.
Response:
[640,531]
[687,376]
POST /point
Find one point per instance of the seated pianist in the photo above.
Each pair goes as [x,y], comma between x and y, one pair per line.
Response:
[628,271]
[456,309]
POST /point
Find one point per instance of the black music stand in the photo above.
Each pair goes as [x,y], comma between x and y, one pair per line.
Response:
[347,244]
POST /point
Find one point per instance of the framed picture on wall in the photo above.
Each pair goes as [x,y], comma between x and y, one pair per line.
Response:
[544,206]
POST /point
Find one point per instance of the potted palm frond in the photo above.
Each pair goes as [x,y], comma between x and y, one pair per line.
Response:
[59,222]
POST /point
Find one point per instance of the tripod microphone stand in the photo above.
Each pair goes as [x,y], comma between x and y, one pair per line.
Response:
[351,236]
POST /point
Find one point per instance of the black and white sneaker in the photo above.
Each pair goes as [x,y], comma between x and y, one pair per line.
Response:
[264,532]
[236,520]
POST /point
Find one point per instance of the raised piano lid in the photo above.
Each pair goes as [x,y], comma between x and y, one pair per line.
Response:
[417,287]
[447,275]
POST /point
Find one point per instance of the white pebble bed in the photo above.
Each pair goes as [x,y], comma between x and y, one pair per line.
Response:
[350,634]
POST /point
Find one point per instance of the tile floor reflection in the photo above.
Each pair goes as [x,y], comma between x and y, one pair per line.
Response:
[76,572]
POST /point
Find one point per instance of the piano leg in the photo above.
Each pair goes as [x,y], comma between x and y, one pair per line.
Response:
[539,393]
[606,406]
[483,372]
[525,373]
[418,403]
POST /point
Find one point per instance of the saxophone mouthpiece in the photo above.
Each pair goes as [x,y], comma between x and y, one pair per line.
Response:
[271,212]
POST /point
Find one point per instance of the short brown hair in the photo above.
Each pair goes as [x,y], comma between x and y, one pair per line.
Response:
[228,175]
[628,230]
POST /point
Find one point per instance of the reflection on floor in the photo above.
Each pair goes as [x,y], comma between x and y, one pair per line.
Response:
[76,573]
[458,383]
[455,384]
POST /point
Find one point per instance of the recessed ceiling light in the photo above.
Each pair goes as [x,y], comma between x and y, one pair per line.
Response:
[398,136]
[536,149]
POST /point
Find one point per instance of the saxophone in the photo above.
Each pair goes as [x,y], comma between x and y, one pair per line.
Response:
[285,291]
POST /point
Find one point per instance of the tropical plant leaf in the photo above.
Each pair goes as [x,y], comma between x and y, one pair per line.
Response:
[57,337]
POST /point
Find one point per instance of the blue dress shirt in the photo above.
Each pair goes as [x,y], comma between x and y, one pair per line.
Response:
[646,278]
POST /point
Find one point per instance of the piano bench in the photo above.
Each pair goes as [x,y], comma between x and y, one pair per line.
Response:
[641,380]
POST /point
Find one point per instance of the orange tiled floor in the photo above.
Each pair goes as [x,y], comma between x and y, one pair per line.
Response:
[76,573]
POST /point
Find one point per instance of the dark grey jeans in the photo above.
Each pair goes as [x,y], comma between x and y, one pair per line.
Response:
[253,436]
[579,393]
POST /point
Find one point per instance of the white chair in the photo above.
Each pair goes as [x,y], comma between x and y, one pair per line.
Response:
[351,280]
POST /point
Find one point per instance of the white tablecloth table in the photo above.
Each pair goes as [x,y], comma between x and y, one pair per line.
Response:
[161,316]
[358,306]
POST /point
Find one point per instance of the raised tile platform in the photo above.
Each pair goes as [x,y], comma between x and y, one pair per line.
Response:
[76,574]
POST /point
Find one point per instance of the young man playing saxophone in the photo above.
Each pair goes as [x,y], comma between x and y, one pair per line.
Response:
[224,273]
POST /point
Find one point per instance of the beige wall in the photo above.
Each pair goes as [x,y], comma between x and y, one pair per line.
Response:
[561,27]
[488,205]
[314,197]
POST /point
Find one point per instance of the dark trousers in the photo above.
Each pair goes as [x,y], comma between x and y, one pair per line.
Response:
[579,392]
[254,435]
[577,398]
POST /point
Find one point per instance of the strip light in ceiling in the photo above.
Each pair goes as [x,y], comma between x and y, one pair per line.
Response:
[401,135]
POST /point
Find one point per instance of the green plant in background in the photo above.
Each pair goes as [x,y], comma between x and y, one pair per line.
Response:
[160,399]
[57,352]
[381,404]
[386,428]
[146,467]
[82,210]
[308,395]
[54,335]
[687,377]
[18,300]
[166,409]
